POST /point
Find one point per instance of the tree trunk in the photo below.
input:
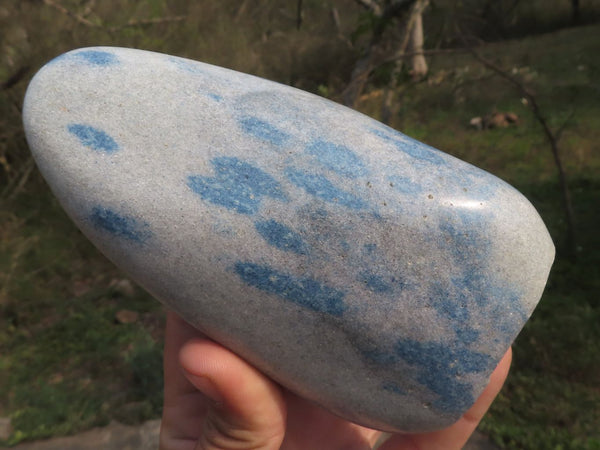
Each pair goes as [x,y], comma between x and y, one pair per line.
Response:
[360,76]
[299,15]
[411,39]
[575,12]
[418,62]
[364,66]
[387,105]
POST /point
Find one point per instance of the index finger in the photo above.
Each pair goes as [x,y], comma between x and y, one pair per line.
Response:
[183,405]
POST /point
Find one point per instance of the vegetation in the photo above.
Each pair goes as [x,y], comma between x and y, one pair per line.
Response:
[69,362]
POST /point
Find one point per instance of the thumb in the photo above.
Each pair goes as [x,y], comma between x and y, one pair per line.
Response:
[246,408]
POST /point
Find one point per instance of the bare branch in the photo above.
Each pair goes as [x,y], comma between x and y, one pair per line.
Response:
[87,10]
[551,136]
[395,8]
[131,23]
[14,78]
[364,66]
[576,12]
[372,6]
[141,22]
[16,186]
[418,63]
[560,130]
[299,15]
[241,10]
[71,14]
[441,51]
[335,17]
[387,103]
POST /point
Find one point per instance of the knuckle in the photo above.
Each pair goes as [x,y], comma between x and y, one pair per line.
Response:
[222,432]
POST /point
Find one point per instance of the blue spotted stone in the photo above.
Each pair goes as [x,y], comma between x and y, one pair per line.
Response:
[236,185]
[358,267]
[319,186]
[263,130]
[93,138]
[281,236]
[97,57]
[119,225]
[305,292]
[338,158]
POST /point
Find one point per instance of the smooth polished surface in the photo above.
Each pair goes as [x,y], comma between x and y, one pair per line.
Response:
[362,269]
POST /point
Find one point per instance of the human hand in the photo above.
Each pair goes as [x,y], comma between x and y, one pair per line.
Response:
[214,400]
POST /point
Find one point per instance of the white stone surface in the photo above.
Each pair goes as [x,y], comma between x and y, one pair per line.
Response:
[362,269]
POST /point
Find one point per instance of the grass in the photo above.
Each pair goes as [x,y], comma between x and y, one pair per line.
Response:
[66,363]
[552,397]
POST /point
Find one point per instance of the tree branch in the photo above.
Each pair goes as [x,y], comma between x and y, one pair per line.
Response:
[14,78]
[241,10]
[88,8]
[364,66]
[396,7]
[131,23]
[552,138]
[387,103]
[141,22]
[299,15]
[440,51]
[77,17]
[372,6]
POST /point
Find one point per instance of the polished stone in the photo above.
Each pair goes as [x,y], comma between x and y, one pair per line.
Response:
[360,268]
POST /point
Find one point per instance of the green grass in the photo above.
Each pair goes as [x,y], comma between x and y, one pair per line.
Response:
[552,397]
[67,365]
[65,362]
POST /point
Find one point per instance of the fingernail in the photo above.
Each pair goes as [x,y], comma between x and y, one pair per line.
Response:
[207,387]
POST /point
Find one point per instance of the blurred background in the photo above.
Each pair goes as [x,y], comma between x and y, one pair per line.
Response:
[511,86]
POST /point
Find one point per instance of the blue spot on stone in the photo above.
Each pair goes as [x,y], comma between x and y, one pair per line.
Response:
[470,283]
[410,146]
[337,158]
[321,187]
[263,130]
[281,236]
[237,185]
[454,307]
[467,335]
[98,57]
[345,246]
[119,225]
[375,283]
[319,215]
[394,388]
[467,241]
[303,291]
[405,185]
[187,65]
[383,357]
[440,367]
[370,248]
[505,304]
[92,137]
[215,97]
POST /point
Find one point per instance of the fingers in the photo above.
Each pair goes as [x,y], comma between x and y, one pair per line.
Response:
[177,333]
[246,409]
[455,436]
[183,406]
